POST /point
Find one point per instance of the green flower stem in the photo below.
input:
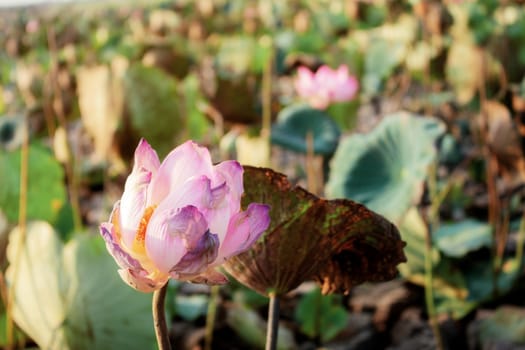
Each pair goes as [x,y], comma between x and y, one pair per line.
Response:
[431,219]
[159,318]
[273,322]
[429,292]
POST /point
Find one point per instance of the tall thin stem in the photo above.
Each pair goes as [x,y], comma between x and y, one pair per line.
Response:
[22,226]
[210,318]
[429,291]
[431,218]
[267,101]
[159,318]
[273,322]
[60,112]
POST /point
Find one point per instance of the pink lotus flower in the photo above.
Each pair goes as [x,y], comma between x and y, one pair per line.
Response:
[32,26]
[180,218]
[325,86]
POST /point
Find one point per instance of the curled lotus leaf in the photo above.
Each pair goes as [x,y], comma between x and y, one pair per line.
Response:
[386,168]
[338,243]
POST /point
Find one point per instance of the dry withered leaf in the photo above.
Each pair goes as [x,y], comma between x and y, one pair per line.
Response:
[504,140]
[363,245]
[281,259]
[339,243]
[242,91]
[100,99]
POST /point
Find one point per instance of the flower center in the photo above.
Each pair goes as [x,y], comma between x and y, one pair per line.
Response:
[138,242]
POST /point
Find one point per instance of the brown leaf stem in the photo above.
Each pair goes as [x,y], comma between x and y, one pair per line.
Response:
[494,206]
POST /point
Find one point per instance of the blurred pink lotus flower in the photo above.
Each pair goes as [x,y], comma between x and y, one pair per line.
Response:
[325,86]
[180,218]
[32,26]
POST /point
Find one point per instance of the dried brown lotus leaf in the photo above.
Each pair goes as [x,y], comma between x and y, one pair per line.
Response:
[364,246]
[504,141]
[339,243]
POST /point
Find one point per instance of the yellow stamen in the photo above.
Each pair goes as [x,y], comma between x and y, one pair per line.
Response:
[116,226]
[138,243]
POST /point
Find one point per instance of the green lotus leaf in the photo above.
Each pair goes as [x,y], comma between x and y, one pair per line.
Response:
[295,122]
[450,287]
[344,114]
[321,315]
[250,327]
[450,150]
[506,324]
[381,58]
[459,285]
[413,231]
[385,169]
[71,297]
[151,96]
[238,55]
[451,291]
[458,239]
[191,307]
[293,42]
[477,278]
[198,125]
[12,131]
[46,192]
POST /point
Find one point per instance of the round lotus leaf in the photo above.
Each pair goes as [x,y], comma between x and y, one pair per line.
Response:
[386,168]
[295,122]
[71,297]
